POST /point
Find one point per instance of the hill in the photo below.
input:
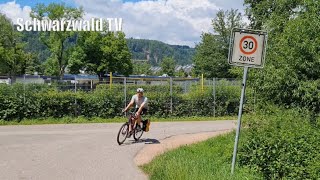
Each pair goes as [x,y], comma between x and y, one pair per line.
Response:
[141,49]
[155,51]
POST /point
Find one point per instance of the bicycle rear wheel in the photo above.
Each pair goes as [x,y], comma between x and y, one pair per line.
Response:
[123,133]
[137,132]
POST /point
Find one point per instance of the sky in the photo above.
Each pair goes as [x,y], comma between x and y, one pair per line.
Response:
[179,22]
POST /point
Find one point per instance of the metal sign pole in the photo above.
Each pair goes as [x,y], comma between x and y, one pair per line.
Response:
[125,93]
[245,72]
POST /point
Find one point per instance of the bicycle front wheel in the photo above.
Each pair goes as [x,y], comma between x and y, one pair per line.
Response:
[137,132]
[123,133]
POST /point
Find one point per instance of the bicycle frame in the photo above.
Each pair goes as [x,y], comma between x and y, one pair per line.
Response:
[132,120]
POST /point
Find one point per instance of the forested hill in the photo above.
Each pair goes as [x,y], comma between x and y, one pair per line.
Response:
[155,51]
[141,49]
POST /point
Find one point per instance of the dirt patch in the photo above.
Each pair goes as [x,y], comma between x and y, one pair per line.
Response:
[150,151]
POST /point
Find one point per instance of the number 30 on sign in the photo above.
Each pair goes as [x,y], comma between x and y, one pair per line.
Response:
[247,48]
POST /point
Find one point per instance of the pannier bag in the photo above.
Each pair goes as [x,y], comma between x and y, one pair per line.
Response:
[146,125]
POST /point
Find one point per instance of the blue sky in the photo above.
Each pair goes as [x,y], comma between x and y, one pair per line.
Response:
[171,21]
[32,3]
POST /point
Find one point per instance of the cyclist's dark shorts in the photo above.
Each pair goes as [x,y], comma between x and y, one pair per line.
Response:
[143,112]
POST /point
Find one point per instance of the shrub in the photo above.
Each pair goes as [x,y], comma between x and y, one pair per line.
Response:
[36,101]
[282,144]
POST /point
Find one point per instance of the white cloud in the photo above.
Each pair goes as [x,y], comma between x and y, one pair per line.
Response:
[171,21]
[15,11]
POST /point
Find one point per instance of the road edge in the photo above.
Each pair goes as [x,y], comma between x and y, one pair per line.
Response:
[151,151]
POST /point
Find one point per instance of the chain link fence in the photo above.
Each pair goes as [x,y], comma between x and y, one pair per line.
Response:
[216,96]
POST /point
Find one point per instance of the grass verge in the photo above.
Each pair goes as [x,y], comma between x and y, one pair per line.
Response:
[210,159]
[77,120]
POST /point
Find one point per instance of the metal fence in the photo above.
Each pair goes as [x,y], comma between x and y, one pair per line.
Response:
[165,85]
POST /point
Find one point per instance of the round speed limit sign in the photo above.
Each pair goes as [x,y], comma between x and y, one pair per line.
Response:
[248,45]
[247,48]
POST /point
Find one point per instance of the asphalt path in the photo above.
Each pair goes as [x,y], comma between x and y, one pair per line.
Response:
[83,151]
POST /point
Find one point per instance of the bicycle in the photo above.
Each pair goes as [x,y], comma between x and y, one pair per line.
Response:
[137,131]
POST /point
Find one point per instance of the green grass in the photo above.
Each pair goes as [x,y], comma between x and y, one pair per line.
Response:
[206,160]
[71,120]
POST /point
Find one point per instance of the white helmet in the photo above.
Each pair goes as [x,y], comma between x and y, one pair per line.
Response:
[140,90]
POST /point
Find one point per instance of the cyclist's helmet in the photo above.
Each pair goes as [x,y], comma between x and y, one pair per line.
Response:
[140,90]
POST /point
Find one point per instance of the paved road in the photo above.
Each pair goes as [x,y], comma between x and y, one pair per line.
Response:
[82,151]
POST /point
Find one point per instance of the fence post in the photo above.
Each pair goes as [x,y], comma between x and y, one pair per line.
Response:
[110,80]
[91,84]
[171,95]
[214,97]
[75,98]
[75,84]
[185,87]
[24,89]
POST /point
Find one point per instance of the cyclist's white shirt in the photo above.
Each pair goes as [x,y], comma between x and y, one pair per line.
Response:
[138,101]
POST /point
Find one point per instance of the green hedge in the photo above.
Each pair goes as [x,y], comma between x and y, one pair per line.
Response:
[36,101]
[282,144]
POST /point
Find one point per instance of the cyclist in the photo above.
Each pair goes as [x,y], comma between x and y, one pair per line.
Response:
[141,107]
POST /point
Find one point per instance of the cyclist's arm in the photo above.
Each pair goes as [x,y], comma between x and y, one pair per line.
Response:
[129,105]
[141,107]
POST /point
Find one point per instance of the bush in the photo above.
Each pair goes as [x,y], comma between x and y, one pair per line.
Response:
[36,101]
[282,144]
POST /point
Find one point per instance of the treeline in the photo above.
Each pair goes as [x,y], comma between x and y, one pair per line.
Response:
[156,51]
[140,49]
[54,53]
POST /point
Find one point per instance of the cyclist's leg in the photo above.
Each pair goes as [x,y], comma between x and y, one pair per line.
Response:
[143,112]
[130,125]
[139,118]
[136,119]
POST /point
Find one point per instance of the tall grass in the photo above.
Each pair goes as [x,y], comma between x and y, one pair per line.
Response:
[207,160]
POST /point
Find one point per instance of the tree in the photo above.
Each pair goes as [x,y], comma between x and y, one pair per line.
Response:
[142,68]
[292,72]
[101,53]
[212,52]
[76,60]
[51,67]
[262,13]
[56,40]
[181,73]
[31,64]
[168,66]
[12,55]
[39,51]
